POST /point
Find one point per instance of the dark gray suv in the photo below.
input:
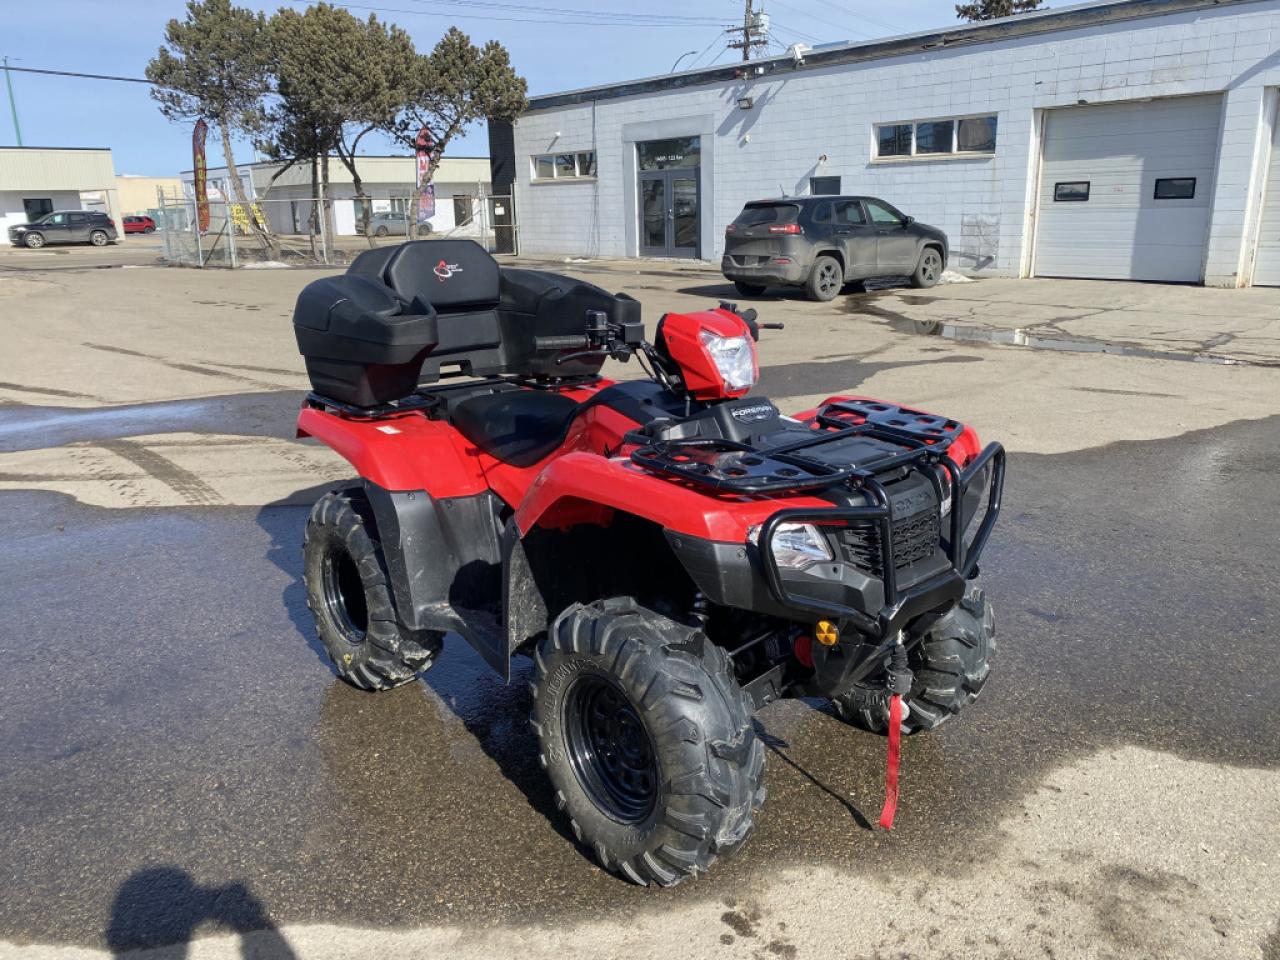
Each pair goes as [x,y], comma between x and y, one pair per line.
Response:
[65,226]
[822,243]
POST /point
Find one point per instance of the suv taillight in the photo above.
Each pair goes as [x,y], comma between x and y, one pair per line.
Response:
[786,228]
[731,228]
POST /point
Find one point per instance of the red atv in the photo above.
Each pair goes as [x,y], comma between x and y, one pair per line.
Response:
[672,554]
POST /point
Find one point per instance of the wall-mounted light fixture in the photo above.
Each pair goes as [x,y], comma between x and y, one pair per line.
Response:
[745,103]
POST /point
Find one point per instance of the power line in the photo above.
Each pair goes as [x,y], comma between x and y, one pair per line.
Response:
[666,22]
[85,76]
[575,12]
[865,16]
[828,23]
[694,63]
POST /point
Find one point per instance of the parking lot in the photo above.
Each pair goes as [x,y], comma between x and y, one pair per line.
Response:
[178,760]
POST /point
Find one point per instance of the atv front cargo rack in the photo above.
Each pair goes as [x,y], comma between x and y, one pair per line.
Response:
[731,467]
[899,606]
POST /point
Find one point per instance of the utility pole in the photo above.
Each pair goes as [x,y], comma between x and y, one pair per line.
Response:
[754,30]
[13,106]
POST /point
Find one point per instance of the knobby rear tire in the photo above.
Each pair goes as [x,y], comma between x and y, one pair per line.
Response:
[679,686]
[350,597]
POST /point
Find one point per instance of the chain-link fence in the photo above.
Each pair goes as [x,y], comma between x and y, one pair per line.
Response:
[295,231]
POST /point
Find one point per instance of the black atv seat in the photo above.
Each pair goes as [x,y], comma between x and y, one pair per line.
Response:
[522,426]
[518,427]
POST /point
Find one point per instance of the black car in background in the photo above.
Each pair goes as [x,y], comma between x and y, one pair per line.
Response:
[822,243]
[65,226]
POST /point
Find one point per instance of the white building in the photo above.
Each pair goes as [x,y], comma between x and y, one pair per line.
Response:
[1120,139]
[460,184]
[38,180]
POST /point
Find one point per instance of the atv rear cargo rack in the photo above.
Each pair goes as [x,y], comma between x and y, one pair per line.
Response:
[728,466]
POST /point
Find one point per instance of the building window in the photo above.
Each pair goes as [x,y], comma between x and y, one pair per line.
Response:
[976,135]
[664,154]
[936,136]
[36,208]
[463,210]
[959,136]
[565,166]
[824,186]
[1176,188]
[1075,190]
[893,140]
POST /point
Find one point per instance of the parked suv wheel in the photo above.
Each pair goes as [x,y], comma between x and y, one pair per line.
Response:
[350,597]
[928,269]
[34,240]
[647,739]
[98,238]
[825,279]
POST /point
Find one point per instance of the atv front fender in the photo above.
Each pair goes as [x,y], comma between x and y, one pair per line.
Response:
[573,489]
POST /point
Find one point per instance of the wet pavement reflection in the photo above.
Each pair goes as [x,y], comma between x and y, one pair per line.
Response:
[169,726]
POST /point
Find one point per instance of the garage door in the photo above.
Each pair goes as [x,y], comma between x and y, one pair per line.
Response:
[1266,266]
[1125,188]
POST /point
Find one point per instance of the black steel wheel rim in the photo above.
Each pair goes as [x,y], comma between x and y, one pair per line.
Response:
[344,597]
[827,280]
[610,750]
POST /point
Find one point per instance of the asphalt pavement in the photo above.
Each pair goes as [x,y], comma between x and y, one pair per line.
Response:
[178,760]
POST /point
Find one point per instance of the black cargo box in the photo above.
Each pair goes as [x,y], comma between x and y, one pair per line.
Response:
[406,315]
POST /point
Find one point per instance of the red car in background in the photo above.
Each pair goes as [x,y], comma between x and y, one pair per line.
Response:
[139,224]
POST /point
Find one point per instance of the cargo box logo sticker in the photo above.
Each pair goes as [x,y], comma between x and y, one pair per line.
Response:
[444,271]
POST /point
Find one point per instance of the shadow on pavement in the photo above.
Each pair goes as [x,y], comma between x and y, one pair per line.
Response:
[164,906]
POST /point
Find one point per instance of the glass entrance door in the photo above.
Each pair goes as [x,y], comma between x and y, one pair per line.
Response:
[653,214]
[669,223]
[669,210]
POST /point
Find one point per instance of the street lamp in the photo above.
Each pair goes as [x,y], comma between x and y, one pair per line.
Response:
[681,57]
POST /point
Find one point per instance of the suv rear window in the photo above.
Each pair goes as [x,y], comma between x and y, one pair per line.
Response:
[755,214]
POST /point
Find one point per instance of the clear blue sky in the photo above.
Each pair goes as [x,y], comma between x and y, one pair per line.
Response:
[549,45]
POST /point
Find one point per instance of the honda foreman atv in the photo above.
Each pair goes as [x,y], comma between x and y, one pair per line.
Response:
[672,554]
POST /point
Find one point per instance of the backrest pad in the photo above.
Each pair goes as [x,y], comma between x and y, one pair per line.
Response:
[448,274]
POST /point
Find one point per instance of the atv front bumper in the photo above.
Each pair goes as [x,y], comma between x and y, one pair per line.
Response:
[879,602]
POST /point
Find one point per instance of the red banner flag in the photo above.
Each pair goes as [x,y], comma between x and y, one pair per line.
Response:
[201,175]
[423,146]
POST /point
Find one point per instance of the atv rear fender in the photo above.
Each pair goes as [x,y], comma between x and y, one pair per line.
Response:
[399,453]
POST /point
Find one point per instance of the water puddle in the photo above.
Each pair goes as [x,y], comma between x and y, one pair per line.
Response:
[1019,337]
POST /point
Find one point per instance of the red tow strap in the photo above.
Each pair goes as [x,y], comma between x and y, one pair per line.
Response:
[895,755]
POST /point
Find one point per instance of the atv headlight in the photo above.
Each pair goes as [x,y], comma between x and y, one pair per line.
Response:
[733,357]
[795,545]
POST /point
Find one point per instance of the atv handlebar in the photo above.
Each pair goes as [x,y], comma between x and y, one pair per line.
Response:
[561,343]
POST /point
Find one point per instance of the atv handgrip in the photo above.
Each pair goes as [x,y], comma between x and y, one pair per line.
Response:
[561,343]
